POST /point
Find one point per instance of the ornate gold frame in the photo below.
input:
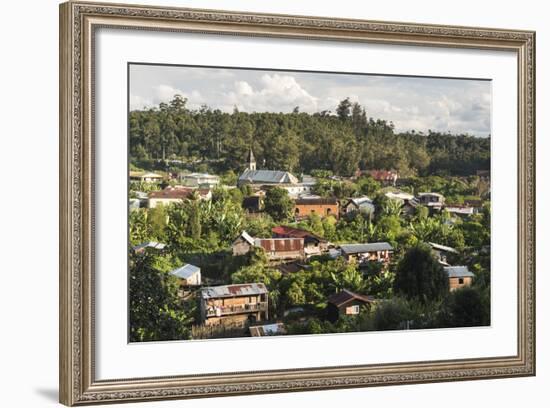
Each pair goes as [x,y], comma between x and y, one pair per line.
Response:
[78,20]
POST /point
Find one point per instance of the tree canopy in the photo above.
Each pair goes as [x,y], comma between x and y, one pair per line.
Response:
[209,139]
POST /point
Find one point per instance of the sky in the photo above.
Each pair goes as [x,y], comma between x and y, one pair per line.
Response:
[411,103]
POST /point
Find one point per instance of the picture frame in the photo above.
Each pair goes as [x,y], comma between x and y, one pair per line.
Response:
[79,22]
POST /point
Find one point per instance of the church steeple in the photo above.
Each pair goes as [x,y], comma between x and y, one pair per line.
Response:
[251,161]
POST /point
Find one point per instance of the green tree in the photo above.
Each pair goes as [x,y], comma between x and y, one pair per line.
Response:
[420,276]
[156,313]
[466,307]
[344,109]
[278,204]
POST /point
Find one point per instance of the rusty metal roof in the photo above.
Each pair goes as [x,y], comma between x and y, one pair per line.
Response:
[280,244]
[290,232]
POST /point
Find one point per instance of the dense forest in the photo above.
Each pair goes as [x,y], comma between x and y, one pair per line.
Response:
[341,142]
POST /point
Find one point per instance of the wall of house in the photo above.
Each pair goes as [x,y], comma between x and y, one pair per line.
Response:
[454,283]
[240,247]
[303,210]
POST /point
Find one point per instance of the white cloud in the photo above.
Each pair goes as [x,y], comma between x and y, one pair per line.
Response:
[445,105]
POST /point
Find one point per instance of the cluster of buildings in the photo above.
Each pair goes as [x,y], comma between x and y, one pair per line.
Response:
[289,248]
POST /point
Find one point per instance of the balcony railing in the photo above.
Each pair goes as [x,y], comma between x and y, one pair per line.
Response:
[212,311]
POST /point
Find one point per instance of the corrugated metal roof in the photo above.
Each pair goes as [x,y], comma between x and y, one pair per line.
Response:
[149,244]
[443,247]
[290,232]
[362,248]
[246,236]
[458,272]
[399,195]
[430,194]
[280,244]
[186,271]
[361,200]
[243,289]
[268,176]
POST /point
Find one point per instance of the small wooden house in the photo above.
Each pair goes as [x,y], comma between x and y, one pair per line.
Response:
[188,275]
[430,199]
[361,253]
[359,204]
[459,277]
[276,249]
[346,303]
[234,304]
[313,244]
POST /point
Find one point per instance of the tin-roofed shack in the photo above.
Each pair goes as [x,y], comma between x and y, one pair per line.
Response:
[313,244]
[347,303]
[459,276]
[234,304]
[360,253]
[276,249]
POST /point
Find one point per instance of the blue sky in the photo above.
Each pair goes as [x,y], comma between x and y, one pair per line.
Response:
[412,103]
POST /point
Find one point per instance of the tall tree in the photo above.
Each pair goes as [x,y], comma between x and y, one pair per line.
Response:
[344,109]
[156,313]
[278,204]
[420,276]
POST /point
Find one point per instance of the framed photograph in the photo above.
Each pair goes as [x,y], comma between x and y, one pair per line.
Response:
[256,203]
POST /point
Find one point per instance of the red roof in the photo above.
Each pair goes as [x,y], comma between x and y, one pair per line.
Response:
[383,175]
[289,232]
[282,244]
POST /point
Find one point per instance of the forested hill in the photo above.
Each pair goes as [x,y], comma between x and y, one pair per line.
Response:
[341,142]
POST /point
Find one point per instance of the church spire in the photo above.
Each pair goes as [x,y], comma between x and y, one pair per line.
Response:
[251,160]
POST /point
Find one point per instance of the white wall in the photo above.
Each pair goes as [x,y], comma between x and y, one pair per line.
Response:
[28,228]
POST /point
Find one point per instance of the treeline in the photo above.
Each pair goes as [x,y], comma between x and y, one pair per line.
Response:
[212,140]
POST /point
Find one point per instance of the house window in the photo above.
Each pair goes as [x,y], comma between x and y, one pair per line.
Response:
[461,281]
[352,310]
[328,211]
[297,211]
